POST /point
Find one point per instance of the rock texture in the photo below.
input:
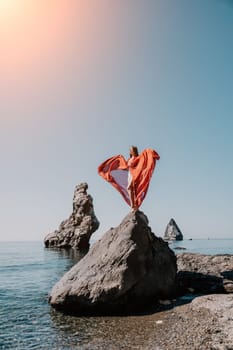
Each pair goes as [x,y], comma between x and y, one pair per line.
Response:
[221,308]
[206,323]
[124,271]
[205,273]
[75,232]
[172,232]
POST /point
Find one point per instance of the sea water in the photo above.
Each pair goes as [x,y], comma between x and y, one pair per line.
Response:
[204,246]
[28,271]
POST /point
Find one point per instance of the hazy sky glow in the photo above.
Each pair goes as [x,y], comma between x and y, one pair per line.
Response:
[81,81]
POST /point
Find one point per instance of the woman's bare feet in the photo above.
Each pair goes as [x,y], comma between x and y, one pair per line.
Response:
[133,209]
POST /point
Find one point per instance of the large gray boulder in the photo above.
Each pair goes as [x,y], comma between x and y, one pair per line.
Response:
[172,232]
[128,268]
[75,232]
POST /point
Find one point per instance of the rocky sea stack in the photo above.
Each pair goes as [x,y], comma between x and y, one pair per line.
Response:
[127,269]
[75,232]
[172,232]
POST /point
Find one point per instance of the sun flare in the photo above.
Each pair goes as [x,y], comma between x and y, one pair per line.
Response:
[7,7]
[31,32]
[4,4]
[11,11]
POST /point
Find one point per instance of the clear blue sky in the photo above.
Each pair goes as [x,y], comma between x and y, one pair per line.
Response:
[83,80]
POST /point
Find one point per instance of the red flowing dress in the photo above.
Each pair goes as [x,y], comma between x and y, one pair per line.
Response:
[116,170]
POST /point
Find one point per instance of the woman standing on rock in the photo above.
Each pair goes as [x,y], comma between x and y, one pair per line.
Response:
[131,178]
[132,163]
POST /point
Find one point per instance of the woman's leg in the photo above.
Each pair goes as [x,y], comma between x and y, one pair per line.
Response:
[131,196]
[131,191]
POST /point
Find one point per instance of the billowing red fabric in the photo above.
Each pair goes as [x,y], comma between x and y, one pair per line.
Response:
[116,170]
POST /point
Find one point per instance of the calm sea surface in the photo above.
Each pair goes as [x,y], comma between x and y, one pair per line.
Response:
[27,273]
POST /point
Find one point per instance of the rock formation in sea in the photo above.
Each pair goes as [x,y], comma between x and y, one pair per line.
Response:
[205,274]
[172,232]
[128,268]
[75,232]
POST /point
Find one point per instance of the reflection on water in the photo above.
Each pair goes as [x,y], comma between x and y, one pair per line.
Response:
[72,255]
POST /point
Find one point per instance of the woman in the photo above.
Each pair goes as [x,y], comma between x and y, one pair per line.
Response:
[132,177]
[132,162]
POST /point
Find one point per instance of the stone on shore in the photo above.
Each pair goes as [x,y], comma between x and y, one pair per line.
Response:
[205,273]
[172,232]
[127,269]
[75,232]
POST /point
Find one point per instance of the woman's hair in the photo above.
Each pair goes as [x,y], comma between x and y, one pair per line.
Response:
[133,151]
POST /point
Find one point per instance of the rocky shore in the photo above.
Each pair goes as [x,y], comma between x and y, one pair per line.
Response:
[163,301]
[206,323]
[197,321]
[203,324]
[190,320]
[205,274]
